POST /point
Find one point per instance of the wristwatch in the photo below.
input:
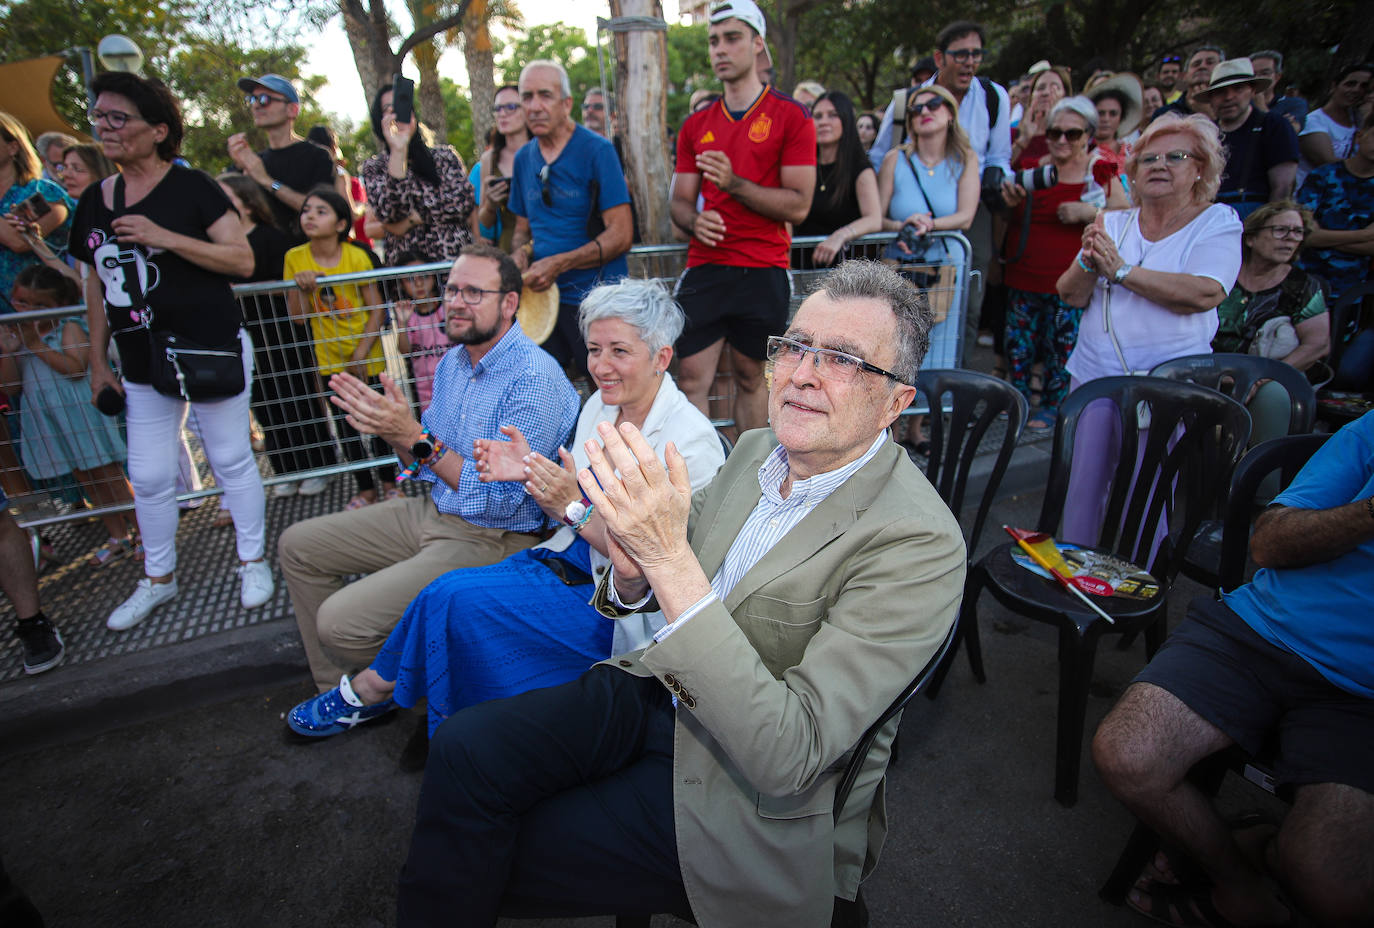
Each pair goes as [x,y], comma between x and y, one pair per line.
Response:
[1121,272]
[423,448]
[577,514]
[276,185]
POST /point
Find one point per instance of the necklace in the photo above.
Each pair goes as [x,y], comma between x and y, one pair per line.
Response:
[827,173]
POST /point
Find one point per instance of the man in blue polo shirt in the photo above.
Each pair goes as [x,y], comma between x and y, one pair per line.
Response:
[1290,656]
[494,376]
[572,207]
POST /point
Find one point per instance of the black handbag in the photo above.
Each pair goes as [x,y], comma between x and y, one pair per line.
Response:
[183,368]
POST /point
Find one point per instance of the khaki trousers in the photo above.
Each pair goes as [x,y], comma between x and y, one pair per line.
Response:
[401,546]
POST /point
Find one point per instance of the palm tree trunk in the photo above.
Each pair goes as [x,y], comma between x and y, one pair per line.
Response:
[481,65]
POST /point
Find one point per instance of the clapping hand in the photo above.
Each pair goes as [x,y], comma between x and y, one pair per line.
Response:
[385,414]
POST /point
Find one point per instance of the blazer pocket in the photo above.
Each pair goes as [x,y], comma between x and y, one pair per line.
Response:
[780,630]
[818,800]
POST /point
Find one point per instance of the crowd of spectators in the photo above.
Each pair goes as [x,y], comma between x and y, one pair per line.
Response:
[1202,207]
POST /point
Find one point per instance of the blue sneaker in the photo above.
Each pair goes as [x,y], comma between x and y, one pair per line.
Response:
[334,712]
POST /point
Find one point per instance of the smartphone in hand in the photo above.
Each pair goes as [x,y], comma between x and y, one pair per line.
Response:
[33,208]
[403,98]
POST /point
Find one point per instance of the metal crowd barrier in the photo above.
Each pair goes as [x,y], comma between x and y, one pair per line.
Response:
[302,436]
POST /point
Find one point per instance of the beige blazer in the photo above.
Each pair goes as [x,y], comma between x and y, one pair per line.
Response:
[777,683]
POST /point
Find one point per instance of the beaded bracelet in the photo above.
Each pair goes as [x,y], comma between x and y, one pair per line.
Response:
[412,469]
[1084,265]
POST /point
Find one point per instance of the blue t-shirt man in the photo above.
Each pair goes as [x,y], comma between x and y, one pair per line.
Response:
[1321,612]
[560,199]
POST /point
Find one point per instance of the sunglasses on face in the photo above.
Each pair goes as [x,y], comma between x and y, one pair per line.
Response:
[1054,135]
[1171,59]
[500,108]
[965,55]
[931,105]
[262,99]
[594,107]
[545,193]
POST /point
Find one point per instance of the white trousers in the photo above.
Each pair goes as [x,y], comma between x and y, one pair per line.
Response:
[155,422]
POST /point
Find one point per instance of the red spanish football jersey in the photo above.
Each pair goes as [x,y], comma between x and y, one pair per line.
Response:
[774,132]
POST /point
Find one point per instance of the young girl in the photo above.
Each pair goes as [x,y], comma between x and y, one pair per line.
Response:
[62,432]
[345,319]
[421,330]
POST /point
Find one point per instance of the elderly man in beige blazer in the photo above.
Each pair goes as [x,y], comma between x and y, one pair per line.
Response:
[804,588]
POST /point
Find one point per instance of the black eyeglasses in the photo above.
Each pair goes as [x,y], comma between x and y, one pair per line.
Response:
[113,119]
[499,108]
[262,99]
[833,365]
[1297,233]
[468,294]
[964,55]
[1054,135]
[545,193]
[931,105]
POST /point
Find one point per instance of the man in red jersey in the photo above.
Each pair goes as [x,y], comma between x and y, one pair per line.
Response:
[752,157]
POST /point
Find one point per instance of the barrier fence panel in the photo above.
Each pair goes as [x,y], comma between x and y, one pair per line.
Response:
[57,451]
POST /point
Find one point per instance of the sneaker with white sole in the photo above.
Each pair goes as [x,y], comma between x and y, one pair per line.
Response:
[334,712]
[147,597]
[41,644]
[313,486]
[284,489]
[255,584]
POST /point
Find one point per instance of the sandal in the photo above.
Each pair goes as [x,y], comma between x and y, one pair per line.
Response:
[357,502]
[1180,904]
[112,550]
[223,519]
[393,493]
[1042,420]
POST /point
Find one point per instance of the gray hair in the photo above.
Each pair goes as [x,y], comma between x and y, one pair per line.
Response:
[594,92]
[1271,54]
[644,304]
[869,280]
[1080,106]
[49,139]
[553,65]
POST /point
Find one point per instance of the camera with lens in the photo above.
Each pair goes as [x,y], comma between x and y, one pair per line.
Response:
[1030,179]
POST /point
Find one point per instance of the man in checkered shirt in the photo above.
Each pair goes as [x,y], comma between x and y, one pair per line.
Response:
[494,377]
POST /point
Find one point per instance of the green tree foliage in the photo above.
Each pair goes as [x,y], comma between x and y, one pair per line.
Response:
[565,44]
[689,67]
[458,110]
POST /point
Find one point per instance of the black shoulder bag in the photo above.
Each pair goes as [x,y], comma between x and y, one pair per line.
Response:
[183,368]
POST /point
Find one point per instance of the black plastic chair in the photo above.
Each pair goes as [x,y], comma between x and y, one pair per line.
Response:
[1286,456]
[1192,445]
[1344,315]
[1235,375]
[975,401]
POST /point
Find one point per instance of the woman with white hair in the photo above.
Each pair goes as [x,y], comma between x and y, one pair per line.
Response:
[489,632]
[1043,235]
[1152,278]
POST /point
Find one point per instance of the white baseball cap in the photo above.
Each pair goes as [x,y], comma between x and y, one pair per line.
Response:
[746,11]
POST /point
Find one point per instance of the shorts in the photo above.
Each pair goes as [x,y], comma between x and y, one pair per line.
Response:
[743,305]
[1260,694]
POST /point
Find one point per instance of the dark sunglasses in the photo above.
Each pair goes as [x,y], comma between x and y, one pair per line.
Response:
[545,193]
[262,99]
[931,105]
[595,107]
[1171,59]
[1054,135]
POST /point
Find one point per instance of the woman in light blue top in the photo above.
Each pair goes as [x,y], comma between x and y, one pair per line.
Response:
[491,220]
[931,182]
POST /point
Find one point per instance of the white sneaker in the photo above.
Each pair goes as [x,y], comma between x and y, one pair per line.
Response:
[284,489]
[313,486]
[255,584]
[147,597]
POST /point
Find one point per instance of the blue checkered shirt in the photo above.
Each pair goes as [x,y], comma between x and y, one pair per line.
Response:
[516,383]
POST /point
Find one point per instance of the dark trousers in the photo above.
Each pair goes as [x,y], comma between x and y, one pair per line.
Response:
[565,343]
[558,801]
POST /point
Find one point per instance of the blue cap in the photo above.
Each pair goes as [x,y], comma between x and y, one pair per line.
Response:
[273,82]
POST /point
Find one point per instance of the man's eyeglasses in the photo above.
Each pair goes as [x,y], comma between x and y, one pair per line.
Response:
[933,104]
[545,193]
[499,108]
[1171,158]
[1293,233]
[468,294]
[1073,135]
[57,167]
[1171,59]
[965,55]
[262,99]
[113,119]
[594,107]
[832,365]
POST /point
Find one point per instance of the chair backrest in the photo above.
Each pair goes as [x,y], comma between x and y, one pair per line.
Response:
[1287,455]
[1236,375]
[1343,315]
[1194,438]
[975,401]
[856,760]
